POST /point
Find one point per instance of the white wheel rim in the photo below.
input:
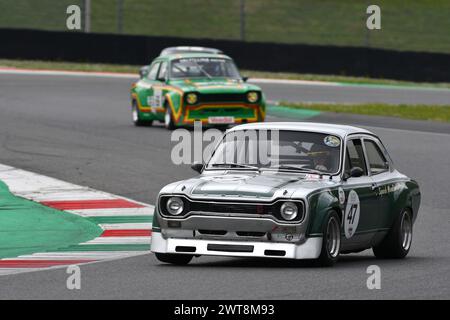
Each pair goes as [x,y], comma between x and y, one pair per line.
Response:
[406,231]
[167,118]
[134,114]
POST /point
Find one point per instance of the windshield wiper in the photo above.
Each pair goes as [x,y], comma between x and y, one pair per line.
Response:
[234,165]
[306,170]
[202,70]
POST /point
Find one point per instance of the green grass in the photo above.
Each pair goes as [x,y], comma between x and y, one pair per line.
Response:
[415,112]
[69,66]
[419,25]
[100,67]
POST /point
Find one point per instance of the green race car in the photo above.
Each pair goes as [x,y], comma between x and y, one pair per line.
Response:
[188,84]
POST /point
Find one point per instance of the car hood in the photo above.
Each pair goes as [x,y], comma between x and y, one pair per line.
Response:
[215,85]
[249,185]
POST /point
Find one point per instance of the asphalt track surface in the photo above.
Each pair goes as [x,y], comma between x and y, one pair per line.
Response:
[78,129]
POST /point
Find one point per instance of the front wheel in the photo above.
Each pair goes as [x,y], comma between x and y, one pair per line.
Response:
[331,243]
[398,241]
[168,119]
[178,259]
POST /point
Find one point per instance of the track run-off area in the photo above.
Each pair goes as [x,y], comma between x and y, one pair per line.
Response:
[77,129]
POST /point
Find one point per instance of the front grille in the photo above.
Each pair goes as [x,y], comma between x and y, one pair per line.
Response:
[250,234]
[232,208]
[222,97]
[229,247]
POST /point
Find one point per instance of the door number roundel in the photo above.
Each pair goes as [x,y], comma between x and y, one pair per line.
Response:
[351,218]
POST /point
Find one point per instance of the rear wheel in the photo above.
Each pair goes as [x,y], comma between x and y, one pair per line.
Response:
[135,117]
[168,118]
[331,243]
[178,259]
[398,241]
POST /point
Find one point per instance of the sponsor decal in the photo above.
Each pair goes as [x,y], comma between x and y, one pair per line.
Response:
[341,194]
[332,141]
[391,188]
[351,218]
[156,100]
[221,120]
[201,59]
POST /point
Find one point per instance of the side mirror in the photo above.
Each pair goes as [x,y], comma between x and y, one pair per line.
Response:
[244,79]
[198,167]
[143,72]
[356,172]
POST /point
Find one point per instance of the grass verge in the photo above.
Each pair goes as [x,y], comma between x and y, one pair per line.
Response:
[420,25]
[103,67]
[415,112]
[69,66]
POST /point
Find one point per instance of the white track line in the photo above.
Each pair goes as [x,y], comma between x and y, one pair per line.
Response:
[119,240]
[126,226]
[69,73]
[294,82]
[114,212]
[98,255]
[70,195]
[6,271]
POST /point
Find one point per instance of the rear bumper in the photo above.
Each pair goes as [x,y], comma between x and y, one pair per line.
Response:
[309,249]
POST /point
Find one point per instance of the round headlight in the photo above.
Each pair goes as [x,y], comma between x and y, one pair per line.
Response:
[191,98]
[252,97]
[289,211]
[175,206]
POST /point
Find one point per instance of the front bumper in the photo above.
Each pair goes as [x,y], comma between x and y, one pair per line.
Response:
[240,112]
[309,249]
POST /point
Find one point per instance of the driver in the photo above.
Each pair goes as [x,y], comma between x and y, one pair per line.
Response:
[321,157]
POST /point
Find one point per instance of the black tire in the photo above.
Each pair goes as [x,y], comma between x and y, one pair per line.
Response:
[178,259]
[398,241]
[331,243]
[223,127]
[135,117]
[168,118]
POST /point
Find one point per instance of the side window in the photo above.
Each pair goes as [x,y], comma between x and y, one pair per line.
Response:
[163,71]
[355,156]
[153,71]
[377,161]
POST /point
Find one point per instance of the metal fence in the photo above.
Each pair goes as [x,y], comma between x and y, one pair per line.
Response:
[417,25]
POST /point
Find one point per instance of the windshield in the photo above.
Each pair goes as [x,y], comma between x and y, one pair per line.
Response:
[203,67]
[281,150]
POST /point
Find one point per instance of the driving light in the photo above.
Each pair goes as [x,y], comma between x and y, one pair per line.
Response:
[289,211]
[252,97]
[175,206]
[191,98]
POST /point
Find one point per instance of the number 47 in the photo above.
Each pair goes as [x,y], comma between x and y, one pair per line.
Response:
[352,213]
